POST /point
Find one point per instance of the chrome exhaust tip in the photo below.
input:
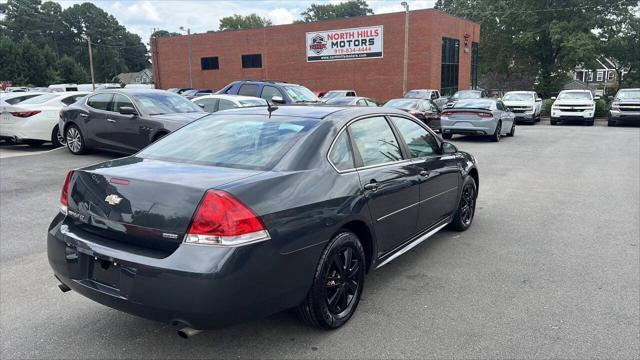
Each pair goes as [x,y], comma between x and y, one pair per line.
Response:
[188,332]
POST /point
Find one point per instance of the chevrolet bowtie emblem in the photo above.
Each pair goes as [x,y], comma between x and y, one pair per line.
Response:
[113,199]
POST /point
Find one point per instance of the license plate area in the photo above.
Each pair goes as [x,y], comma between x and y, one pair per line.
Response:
[105,272]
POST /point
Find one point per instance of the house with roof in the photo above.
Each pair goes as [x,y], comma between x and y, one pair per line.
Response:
[601,78]
[141,77]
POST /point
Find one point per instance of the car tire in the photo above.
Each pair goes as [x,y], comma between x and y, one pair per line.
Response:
[463,217]
[553,121]
[513,130]
[590,122]
[447,136]
[56,138]
[34,143]
[611,123]
[75,140]
[327,304]
[496,134]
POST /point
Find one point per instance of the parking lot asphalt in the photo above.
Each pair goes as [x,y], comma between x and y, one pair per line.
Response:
[550,268]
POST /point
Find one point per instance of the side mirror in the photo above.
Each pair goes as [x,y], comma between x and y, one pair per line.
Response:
[538,99]
[596,98]
[277,100]
[201,105]
[611,97]
[128,110]
[553,98]
[448,148]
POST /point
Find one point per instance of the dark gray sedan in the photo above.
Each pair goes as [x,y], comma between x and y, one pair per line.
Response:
[124,120]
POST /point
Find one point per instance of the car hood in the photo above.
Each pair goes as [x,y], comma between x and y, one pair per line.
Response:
[518,103]
[573,102]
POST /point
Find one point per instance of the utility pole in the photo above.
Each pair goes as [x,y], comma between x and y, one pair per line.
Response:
[406,46]
[189,51]
[93,79]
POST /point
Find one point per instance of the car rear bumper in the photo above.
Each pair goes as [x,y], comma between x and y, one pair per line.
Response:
[34,129]
[199,286]
[468,127]
[525,117]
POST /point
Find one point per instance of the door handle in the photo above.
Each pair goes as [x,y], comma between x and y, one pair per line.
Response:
[111,120]
[372,186]
[424,173]
[83,115]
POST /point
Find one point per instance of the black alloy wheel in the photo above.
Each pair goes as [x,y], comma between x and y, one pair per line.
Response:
[467,207]
[513,130]
[447,136]
[496,135]
[56,138]
[337,285]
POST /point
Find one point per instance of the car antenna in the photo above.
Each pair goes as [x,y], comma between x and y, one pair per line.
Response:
[271,108]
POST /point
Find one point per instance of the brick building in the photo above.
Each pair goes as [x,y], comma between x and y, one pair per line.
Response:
[442,54]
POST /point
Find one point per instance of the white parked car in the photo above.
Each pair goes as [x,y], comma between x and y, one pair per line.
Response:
[35,121]
[12,98]
[574,105]
[526,105]
[216,102]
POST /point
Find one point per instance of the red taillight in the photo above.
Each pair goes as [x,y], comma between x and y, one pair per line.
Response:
[223,220]
[474,113]
[25,114]
[485,115]
[64,194]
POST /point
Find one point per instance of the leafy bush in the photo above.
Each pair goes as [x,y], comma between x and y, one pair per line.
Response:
[546,107]
[601,108]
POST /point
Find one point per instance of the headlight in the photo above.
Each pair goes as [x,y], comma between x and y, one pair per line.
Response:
[615,105]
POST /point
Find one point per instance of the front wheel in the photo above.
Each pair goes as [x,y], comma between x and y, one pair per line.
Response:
[590,122]
[337,284]
[496,135]
[447,136]
[467,207]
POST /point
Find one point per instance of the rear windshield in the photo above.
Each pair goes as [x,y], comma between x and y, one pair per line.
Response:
[340,101]
[253,102]
[402,104]
[241,141]
[582,95]
[474,104]
[467,95]
[417,94]
[39,99]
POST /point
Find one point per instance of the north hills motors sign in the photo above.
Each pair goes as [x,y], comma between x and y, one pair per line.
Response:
[345,44]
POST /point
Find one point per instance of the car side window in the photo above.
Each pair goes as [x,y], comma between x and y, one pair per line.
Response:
[268,92]
[71,99]
[362,102]
[100,101]
[420,141]
[375,141]
[371,103]
[433,96]
[120,101]
[341,156]
[226,104]
[207,104]
[248,90]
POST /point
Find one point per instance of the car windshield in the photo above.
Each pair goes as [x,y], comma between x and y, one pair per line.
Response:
[189,92]
[242,141]
[39,99]
[402,104]
[467,95]
[575,95]
[628,94]
[165,103]
[253,102]
[341,101]
[474,104]
[301,94]
[518,97]
[417,94]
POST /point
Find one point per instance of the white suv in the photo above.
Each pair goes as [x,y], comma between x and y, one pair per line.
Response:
[574,105]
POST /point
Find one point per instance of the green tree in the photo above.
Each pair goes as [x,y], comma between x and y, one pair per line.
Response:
[352,8]
[621,44]
[70,71]
[164,33]
[544,38]
[237,22]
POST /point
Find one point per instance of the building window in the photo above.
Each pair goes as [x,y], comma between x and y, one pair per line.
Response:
[600,76]
[590,77]
[611,75]
[450,66]
[209,63]
[252,61]
[474,65]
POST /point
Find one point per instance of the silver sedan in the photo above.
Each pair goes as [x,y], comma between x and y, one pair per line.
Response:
[489,117]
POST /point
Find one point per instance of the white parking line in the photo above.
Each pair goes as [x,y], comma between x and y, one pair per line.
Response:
[11,153]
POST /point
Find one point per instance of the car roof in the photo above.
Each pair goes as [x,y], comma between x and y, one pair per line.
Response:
[576,90]
[463,91]
[312,111]
[630,89]
[11,95]
[520,92]
[273,82]
[133,91]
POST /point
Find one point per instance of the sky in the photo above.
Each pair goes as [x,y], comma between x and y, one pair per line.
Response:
[142,16]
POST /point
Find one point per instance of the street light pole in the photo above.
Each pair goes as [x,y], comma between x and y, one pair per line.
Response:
[406,47]
[93,79]
[189,51]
